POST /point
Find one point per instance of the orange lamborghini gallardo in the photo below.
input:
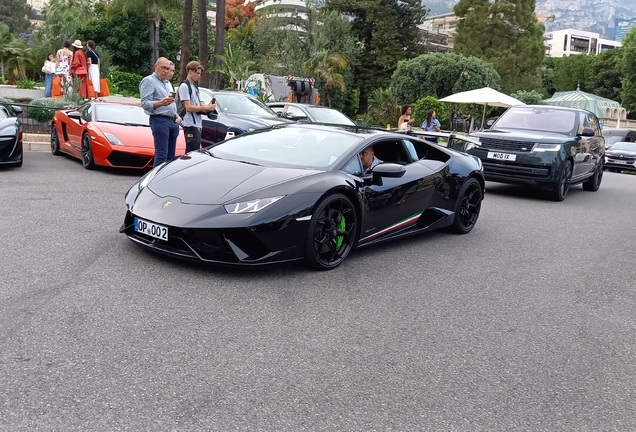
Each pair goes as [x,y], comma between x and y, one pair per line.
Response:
[106,134]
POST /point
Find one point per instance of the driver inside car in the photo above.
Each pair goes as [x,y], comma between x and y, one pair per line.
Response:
[368,159]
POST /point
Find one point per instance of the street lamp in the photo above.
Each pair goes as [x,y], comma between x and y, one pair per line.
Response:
[179,55]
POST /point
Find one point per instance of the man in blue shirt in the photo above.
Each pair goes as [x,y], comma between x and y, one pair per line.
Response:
[157,100]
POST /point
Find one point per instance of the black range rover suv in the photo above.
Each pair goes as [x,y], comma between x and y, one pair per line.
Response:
[543,146]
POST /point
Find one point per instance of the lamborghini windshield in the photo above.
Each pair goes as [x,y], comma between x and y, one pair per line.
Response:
[288,146]
[121,114]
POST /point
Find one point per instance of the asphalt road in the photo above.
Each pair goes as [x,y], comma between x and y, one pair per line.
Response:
[526,324]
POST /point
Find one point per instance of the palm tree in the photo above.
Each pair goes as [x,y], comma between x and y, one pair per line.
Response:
[154,10]
[383,108]
[64,17]
[219,43]
[185,39]
[327,66]
[202,9]
[5,51]
[236,65]
[21,56]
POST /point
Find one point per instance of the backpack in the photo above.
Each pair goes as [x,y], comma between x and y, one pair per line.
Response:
[181,110]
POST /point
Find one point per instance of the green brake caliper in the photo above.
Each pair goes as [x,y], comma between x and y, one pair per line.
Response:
[341,227]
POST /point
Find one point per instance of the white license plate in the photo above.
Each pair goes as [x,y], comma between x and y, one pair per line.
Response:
[502,156]
[620,162]
[151,229]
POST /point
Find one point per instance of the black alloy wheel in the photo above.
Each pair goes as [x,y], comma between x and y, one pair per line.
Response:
[594,182]
[562,187]
[55,141]
[468,207]
[332,232]
[87,153]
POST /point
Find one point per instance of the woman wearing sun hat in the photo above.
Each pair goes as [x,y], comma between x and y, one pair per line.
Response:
[79,67]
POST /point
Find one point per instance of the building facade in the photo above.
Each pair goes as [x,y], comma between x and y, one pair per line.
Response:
[566,42]
[438,31]
[622,26]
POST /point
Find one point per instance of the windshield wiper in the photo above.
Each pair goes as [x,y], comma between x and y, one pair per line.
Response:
[137,124]
[245,162]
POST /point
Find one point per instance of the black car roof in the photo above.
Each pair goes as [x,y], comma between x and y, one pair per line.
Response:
[555,107]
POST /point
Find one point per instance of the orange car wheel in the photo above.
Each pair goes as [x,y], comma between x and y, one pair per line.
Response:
[87,153]
[55,141]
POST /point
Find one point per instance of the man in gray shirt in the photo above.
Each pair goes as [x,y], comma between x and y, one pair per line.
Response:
[157,100]
[189,96]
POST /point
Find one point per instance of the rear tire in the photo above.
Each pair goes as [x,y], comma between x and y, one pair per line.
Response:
[55,141]
[87,153]
[332,232]
[468,207]
[561,189]
[594,182]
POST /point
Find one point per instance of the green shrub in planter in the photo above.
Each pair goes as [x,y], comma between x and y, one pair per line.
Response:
[124,83]
[26,84]
[4,100]
[44,109]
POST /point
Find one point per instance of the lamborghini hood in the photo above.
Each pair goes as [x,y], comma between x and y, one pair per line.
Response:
[197,178]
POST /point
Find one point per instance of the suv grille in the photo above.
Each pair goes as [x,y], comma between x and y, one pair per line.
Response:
[503,144]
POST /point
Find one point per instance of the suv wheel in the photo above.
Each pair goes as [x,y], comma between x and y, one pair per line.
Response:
[594,182]
[562,186]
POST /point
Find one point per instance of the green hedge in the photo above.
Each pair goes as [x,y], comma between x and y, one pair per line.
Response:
[4,100]
[44,109]
[124,83]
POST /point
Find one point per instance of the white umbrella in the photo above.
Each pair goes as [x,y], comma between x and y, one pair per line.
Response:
[483,96]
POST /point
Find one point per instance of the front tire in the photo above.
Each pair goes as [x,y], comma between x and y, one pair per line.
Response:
[332,232]
[562,187]
[468,207]
[87,153]
[594,182]
[55,141]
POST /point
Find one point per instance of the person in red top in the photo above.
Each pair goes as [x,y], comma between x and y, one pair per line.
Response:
[79,67]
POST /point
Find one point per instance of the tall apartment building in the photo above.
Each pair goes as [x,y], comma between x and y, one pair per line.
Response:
[437,32]
[566,42]
[37,5]
[622,26]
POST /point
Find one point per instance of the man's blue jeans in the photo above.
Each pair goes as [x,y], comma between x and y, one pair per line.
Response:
[165,133]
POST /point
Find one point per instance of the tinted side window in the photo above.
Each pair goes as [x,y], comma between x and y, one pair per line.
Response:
[353,166]
[86,112]
[592,121]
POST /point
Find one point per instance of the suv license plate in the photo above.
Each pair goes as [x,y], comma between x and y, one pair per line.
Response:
[621,162]
[151,229]
[502,156]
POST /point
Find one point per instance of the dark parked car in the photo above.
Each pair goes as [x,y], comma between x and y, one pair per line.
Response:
[236,113]
[297,192]
[622,156]
[614,135]
[312,113]
[11,152]
[543,146]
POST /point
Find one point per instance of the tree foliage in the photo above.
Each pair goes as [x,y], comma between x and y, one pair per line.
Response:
[440,75]
[13,13]
[532,97]
[629,71]
[597,74]
[237,12]
[505,33]
[64,17]
[387,31]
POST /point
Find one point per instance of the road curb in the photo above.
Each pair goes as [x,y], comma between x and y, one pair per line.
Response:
[36,142]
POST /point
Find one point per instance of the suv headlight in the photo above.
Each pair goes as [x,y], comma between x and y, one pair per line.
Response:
[546,147]
[251,206]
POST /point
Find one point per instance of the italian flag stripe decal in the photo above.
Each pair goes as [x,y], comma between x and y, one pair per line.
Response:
[400,224]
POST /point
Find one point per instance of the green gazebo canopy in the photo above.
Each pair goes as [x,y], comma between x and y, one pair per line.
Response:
[580,99]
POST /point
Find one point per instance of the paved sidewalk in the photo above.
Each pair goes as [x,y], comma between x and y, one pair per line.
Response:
[36,142]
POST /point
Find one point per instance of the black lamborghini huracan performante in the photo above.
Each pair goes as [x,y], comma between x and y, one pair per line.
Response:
[300,192]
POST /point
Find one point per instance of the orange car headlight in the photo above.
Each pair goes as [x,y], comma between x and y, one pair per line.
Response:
[112,138]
